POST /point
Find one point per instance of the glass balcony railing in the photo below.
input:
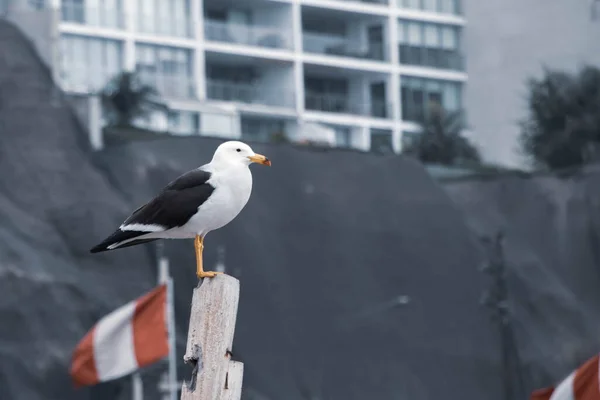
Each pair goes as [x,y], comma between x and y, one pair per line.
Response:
[170,86]
[82,78]
[384,2]
[453,7]
[337,103]
[431,57]
[157,24]
[417,112]
[103,17]
[340,46]
[251,35]
[249,93]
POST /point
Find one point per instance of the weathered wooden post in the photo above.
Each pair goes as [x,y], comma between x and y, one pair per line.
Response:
[209,343]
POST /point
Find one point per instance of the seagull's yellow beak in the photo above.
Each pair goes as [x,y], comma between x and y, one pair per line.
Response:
[260,159]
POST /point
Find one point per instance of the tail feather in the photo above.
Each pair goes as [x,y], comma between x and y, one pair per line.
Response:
[120,239]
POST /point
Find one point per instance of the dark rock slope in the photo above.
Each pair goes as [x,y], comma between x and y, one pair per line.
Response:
[53,203]
[359,273]
[552,230]
[325,250]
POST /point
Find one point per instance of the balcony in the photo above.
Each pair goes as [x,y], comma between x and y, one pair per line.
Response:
[431,57]
[418,113]
[85,78]
[249,35]
[419,94]
[382,141]
[263,129]
[376,2]
[170,86]
[453,7]
[157,24]
[250,93]
[104,17]
[340,46]
[342,104]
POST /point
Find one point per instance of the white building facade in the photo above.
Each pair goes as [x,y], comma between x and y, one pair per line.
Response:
[353,73]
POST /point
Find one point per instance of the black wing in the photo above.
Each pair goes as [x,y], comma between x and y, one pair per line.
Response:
[173,207]
[176,203]
[193,178]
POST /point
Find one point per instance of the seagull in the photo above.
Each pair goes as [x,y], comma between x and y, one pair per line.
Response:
[198,202]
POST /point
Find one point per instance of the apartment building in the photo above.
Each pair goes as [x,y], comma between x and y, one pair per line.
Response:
[353,73]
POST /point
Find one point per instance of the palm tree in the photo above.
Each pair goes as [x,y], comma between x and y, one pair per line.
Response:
[562,128]
[440,140]
[125,98]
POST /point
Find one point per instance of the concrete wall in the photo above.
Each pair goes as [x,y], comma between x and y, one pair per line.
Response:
[508,41]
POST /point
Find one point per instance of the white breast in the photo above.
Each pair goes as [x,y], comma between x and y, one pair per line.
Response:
[232,191]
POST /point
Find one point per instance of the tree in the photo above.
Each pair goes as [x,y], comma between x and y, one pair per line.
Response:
[125,98]
[440,140]
[562,128]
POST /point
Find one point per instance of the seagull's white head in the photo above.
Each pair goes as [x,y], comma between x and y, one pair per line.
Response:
[237,153]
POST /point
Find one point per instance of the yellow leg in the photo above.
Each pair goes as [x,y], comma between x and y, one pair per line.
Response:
[200,273]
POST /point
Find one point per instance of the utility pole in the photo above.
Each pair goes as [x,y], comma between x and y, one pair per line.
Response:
[168,384]
[496,298]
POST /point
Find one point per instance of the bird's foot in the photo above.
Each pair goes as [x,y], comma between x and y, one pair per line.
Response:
[207,274]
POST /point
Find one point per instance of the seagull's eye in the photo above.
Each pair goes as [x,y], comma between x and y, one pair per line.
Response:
[238,150]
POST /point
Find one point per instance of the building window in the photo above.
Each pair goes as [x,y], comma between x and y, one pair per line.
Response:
[340,38]
[173,120]
[235,74]
[418,94]
[87,63]
[164,17]
[231,83]
[168,69]
[103,13]
[409,139]
[343,136]
[379,105]
[218,124]
[216,15]
[262,130]
[438,6]
[381,141]
[182,122]
[37,4]
[430,45]
[326,94]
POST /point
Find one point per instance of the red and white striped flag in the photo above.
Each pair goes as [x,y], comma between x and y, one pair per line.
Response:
[132,336]
[581,384]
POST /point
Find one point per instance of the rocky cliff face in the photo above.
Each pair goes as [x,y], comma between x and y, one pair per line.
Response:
[53,203]
[359,273]
[551,225]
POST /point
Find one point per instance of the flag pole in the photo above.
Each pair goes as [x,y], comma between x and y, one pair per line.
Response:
[165,278]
